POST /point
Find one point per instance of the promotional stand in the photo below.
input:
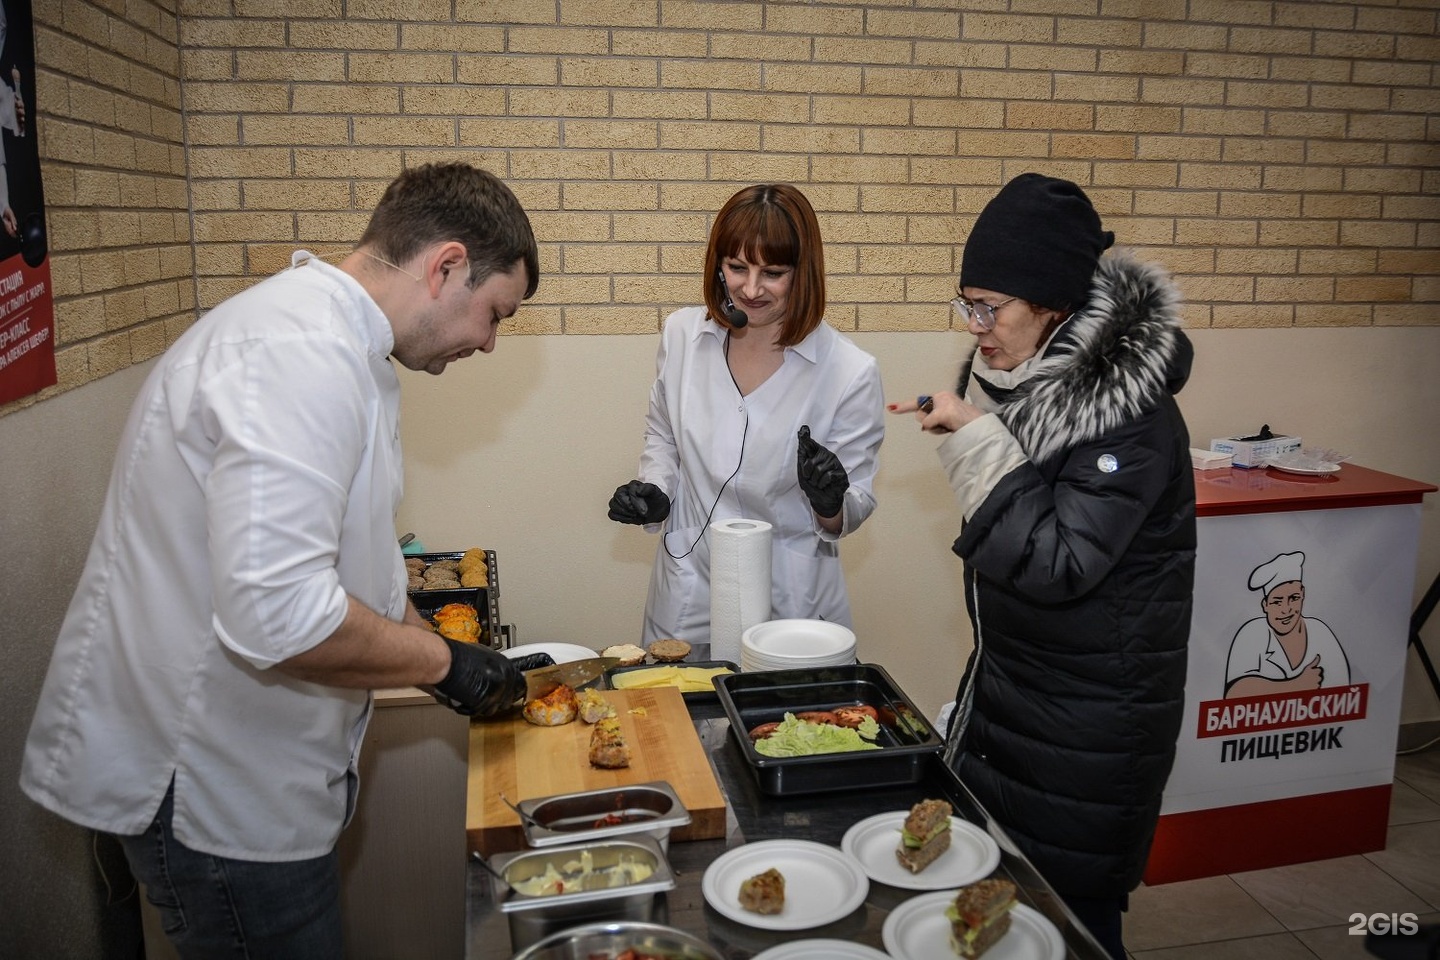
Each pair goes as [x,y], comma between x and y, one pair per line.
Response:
[1296,670]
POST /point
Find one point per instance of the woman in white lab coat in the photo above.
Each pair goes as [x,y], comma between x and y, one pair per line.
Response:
[759,410]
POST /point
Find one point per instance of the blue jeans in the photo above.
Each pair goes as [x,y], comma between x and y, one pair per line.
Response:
[215,908]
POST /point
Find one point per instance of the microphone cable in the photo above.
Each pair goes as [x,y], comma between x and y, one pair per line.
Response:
[745,431]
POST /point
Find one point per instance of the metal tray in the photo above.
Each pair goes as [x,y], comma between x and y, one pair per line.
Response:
[649,808]
[906,738]
[485,600]
[698,696]
[532,918]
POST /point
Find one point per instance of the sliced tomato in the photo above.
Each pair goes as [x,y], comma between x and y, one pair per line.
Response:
[854,716]
[762,731]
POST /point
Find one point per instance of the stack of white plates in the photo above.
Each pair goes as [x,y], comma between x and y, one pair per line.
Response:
[788,644]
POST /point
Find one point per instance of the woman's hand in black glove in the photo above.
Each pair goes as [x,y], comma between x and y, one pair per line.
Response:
[481,682]
[822,476]
[639,502]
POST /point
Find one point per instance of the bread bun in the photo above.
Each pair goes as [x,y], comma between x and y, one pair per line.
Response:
[630,655]
[669,651]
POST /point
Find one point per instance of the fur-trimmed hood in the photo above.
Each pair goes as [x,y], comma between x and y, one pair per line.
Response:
[1109,363]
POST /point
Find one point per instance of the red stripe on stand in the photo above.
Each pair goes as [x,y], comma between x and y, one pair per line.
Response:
[1255,836]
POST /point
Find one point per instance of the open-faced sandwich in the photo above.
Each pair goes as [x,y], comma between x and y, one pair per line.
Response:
[924,835]
[980,915]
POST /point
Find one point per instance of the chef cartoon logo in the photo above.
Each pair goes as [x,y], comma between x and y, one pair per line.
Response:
[1285,670]
[1283,651]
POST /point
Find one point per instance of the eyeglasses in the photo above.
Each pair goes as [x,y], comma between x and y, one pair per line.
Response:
[979,313]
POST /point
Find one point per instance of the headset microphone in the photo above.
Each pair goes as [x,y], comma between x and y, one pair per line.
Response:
[733,314]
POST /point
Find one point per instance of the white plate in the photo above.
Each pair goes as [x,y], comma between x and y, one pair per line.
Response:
[918,930]
[1316,468]
[821,883]
[798,640]
[822,950]
[873,841]
[559,652]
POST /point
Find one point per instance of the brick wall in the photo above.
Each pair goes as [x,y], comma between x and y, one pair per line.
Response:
[111,143]
[1279,157]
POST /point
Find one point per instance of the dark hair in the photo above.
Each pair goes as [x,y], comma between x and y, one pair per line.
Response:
[773,224]
[439,202]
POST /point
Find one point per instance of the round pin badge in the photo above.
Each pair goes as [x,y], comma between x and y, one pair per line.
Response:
[1107,463]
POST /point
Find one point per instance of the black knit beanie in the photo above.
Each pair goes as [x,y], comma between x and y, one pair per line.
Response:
[1038,239]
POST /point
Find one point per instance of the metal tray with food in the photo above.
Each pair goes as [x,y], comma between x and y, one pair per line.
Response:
[651,808]
[891,749]
[544,891]
[485,599]
[694,678]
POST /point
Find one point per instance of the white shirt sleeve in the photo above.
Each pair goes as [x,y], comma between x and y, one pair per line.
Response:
[975,457]
[292,428]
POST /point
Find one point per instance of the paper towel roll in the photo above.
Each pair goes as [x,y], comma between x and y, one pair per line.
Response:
[739,582]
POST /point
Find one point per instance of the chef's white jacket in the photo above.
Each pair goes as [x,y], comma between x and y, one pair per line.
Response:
[255,486]
[693,444]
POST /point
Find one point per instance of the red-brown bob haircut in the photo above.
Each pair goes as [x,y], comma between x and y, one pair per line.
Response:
[773,224]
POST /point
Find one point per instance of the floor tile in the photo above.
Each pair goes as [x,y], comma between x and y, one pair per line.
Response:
[1280,946]
[1421,771]
[1408,805]
[1339,943]
[1193,911]
[1412,857]
[1326,892]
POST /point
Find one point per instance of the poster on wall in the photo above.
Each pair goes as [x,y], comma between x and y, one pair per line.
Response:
[27,308]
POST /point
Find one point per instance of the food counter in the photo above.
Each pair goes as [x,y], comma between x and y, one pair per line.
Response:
[1290,725]
[752,815]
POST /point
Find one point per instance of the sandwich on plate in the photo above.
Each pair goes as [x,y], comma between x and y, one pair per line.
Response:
[924,835]
[980,915]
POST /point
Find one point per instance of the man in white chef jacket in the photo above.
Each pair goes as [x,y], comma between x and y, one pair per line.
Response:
[245,592]
[1283,651]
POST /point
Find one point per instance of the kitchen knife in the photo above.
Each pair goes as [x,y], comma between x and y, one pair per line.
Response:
[575,674]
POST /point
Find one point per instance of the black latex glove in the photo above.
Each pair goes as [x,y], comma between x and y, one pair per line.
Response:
[481,682]
[639,502]
[822,476]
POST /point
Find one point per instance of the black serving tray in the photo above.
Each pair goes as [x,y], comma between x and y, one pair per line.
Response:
[485,600]
[906,738]
[698,696]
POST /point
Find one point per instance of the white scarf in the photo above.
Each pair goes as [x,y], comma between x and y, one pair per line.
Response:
[1003,379]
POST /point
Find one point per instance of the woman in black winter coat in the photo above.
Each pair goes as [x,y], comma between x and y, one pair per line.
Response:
[1070,463]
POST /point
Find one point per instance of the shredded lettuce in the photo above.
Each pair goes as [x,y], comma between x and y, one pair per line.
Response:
[798,738]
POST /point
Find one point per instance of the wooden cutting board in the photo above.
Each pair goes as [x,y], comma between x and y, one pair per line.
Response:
[523,761]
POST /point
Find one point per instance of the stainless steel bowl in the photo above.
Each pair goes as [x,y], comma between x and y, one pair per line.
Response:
[603,941]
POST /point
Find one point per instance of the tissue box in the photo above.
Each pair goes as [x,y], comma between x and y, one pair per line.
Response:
[1254,453]
[1209,459]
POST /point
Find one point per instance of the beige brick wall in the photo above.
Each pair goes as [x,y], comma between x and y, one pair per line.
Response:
[1279,157]
[111,142]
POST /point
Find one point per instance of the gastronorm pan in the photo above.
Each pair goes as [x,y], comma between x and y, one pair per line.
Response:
[906,738]
[534,917]
[649,808]
[485,600]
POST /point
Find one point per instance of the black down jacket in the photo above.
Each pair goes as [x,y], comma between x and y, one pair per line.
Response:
[1079,573]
